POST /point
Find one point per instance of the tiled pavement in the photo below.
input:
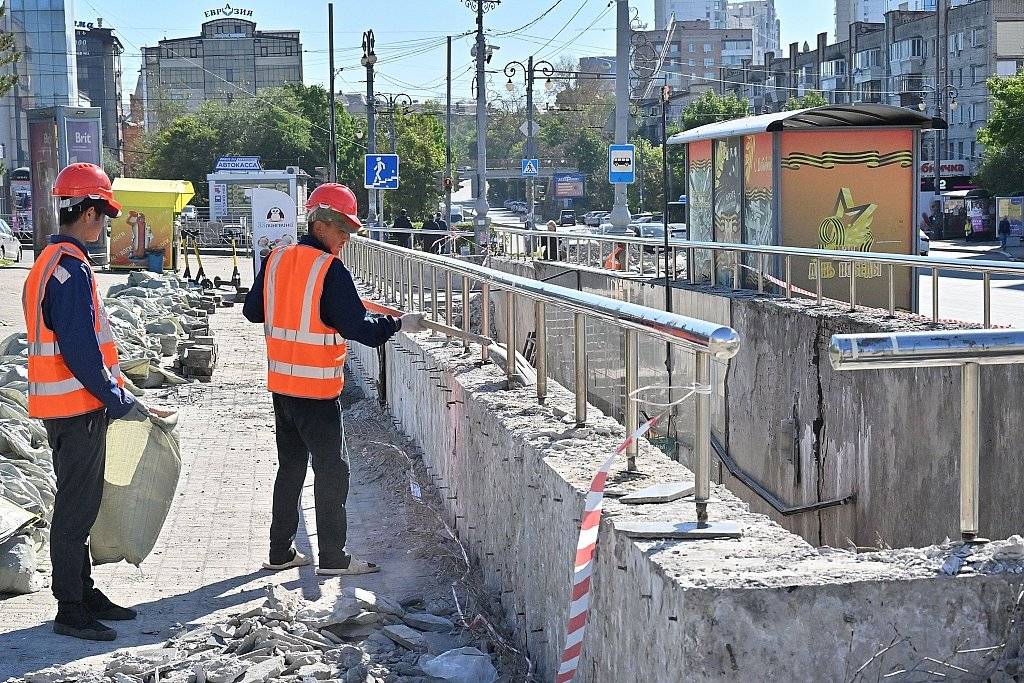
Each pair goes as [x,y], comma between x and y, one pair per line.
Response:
[207,561]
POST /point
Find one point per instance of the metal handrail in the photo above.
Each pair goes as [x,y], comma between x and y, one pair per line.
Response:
[388,270]
[890,261]
[968,349]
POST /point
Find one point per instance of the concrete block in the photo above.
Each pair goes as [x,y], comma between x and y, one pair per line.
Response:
[658,493]
[408,638]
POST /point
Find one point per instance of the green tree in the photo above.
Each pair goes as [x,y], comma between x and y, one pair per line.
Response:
[1003,136]
[811,99]
[711,107]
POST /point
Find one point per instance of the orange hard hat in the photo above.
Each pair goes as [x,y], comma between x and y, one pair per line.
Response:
[85,181]
[337,198]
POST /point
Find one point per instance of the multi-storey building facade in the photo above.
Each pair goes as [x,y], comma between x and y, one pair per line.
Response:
[759,16]
[229,59]
[711,11]
[894,62]
[44,33]
[98,58]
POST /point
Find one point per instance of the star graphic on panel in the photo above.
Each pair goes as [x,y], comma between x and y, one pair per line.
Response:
[856,219]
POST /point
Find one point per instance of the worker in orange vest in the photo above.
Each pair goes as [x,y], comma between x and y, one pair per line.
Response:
[76,387]
[307,302]
[614,260]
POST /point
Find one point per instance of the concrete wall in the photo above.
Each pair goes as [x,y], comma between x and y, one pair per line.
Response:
[765,607]
[809,434]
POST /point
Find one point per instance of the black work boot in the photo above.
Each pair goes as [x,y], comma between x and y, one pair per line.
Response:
[102,608]
[74,619]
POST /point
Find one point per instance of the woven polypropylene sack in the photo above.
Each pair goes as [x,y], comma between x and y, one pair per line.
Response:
[143,464]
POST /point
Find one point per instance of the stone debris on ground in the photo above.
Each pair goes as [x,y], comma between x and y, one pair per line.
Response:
[290,639]
[152,317]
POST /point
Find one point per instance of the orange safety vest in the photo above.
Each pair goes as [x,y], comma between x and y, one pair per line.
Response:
[53,390]
[305,358]
[612,261]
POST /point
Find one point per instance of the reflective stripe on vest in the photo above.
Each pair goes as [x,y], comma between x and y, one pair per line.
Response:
[305,357]
[54,391]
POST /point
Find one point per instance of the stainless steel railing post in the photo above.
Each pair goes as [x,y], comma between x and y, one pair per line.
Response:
[632,407]
[541,350]
[935,295]
[702,445]
[448,298]
[485,319]
[970,446]
[579,339]
[987,303]
[510,337]
[853,286]
[422,293]
[465,311]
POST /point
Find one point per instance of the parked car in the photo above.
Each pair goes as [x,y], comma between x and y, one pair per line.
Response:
[189,213]
[10,246]
[567,217]
[924,243]
[455,217]
[654,230]
[595,218]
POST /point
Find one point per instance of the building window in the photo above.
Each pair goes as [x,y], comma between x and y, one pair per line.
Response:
[974,149]
[979,74]
[866,59]
[230,75]
[707,47]
[192,52]
[977,112]
[693,62]
[691,47]
[977,37]
[709,62]
[263,51]
[709,76]
[238,28]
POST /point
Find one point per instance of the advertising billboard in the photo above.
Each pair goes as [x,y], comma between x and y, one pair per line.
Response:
[83,140]
[138,230]
[758,197]
[273,223]
[849,191]
[42,150]
[701,208]
[567,185]
[218,201]
[1010,208]
[727,198]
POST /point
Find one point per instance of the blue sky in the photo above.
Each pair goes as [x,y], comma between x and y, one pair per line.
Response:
[409,33]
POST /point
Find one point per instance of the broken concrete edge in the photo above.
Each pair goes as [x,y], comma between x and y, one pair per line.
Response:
[524,496]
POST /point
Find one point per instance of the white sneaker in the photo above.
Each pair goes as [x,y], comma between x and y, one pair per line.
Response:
[354,567]
[298,560]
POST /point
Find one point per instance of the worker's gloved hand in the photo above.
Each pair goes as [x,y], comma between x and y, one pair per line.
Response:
[412,323]
[138,413]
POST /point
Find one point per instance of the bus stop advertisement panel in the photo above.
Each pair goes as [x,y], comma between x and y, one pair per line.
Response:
[850,190]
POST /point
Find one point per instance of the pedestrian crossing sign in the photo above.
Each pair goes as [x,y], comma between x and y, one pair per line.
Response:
[530,167]
[380,172]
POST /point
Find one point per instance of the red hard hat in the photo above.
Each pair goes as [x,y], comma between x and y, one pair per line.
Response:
[337,198]
[81,181]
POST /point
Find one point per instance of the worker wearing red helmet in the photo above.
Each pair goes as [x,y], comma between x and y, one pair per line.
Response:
[307,302]
[75,386]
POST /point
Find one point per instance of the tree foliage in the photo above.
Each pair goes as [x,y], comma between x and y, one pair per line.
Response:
[1003,136]
[711,107]
[811,99]
[290,126]
[8,55]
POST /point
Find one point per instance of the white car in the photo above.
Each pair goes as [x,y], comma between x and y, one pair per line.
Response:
[10,246]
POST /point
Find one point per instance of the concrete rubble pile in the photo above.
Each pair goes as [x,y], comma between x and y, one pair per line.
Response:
[151,317]
[156,317]
[350,635]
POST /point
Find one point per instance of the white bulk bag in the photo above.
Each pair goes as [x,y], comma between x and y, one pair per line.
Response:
[141,475]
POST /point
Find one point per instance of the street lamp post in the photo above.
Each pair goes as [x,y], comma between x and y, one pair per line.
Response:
[529,71]
[951,93]
[368,60]
[666,95]
[391,104]
[480,231]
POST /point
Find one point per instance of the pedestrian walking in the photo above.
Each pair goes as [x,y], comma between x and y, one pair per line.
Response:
[428,226]
[76,387]
[402,223]
[308,305]
[551,246]
[1004,231]
[442,225]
